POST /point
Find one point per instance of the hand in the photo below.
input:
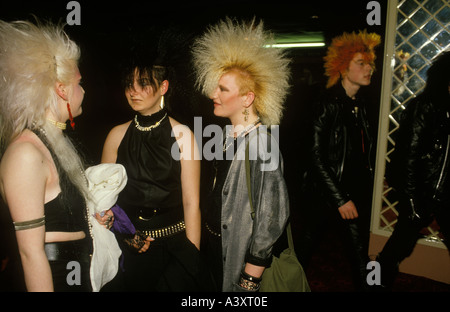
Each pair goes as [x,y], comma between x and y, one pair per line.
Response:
[147,242]
[4,263]
[106,219]
[348,211]
[139,243]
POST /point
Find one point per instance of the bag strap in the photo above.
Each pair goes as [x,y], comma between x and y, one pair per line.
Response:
[247,176]
[249,190]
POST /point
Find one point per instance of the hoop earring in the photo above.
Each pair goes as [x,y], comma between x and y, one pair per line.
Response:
[72,123]
[246,113]
[162,102]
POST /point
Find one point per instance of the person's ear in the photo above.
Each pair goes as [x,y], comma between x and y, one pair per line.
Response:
[248,99]
[164,87]
[61,90]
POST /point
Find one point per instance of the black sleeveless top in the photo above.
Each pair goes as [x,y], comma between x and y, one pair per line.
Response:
[152,197]
[67,212]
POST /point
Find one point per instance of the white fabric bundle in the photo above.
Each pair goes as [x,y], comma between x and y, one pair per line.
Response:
[105,183]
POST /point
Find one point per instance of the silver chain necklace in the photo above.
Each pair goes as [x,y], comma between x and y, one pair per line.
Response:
[226,145]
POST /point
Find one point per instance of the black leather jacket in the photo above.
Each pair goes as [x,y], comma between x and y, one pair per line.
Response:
[420,162]
[331,144]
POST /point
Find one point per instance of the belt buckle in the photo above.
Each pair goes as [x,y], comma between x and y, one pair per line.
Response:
[146,215]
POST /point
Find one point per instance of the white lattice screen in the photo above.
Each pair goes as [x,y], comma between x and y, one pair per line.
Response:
[421,34]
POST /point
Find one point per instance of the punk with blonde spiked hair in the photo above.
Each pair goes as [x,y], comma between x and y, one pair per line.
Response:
[248,84]
[342,50]
[240,47]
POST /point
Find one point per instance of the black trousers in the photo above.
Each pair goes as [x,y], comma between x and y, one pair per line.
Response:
[404,238]
[171,264]
[70,265]
[318,218]
[66,279]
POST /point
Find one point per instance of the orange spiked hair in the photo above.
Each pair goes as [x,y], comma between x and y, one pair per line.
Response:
[342,50]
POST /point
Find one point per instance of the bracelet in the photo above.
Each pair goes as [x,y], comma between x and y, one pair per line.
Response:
[249,282]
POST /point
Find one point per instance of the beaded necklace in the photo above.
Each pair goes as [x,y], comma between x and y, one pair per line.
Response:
[226,145]
[149,128]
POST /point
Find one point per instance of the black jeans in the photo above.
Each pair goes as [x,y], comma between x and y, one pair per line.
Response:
[171,264]
[355,234]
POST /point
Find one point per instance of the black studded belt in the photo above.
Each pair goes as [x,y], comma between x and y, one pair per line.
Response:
[214,233]
[166,231]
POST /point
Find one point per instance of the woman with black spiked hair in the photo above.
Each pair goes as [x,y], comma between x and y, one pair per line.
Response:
[162,195]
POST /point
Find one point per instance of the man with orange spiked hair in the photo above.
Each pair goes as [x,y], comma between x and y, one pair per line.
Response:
[339,179]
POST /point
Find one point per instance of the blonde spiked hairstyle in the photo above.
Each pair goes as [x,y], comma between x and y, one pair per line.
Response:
[240,47]
[33,57]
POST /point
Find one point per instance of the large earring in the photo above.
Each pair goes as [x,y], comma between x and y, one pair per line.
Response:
[72,123]
[246,113]
[162,102]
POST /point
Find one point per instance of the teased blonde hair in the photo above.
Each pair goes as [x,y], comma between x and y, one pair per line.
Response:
[33,57]
[342,50]
[240,47]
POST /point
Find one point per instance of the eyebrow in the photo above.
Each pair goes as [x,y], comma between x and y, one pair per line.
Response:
[223,87]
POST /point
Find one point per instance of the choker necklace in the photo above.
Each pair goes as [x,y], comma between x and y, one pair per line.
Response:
[149,128]
[57,124]
[226,145]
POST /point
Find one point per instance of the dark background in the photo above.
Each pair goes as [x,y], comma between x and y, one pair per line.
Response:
[104,33]
[104,38]
[106,27]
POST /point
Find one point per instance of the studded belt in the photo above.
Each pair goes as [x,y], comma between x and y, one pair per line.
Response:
[214,233]
[166,231]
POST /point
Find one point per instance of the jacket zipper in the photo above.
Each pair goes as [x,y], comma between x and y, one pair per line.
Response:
[345,152]
[413,208]
[443,165]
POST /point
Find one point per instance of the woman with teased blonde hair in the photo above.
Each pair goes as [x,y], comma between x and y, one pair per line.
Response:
[41,173]
[247,83]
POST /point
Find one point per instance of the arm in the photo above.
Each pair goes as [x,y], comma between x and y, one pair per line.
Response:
[411,144]
[271,205]
[109,155]
[112,142]
[323,173]
[190,181]
[24,176]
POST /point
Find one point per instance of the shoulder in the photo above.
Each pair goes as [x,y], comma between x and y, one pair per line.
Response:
[175,123]
[25,154]
[120,129]
[418,107]
[264,148]
[27,147]
[328,101]
[117,133]
[180,130]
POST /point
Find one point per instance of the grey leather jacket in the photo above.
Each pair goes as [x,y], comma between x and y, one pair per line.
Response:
[243,238]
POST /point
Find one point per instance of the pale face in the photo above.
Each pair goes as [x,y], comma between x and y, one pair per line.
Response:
[141,96]
[228,102]
[359,72]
